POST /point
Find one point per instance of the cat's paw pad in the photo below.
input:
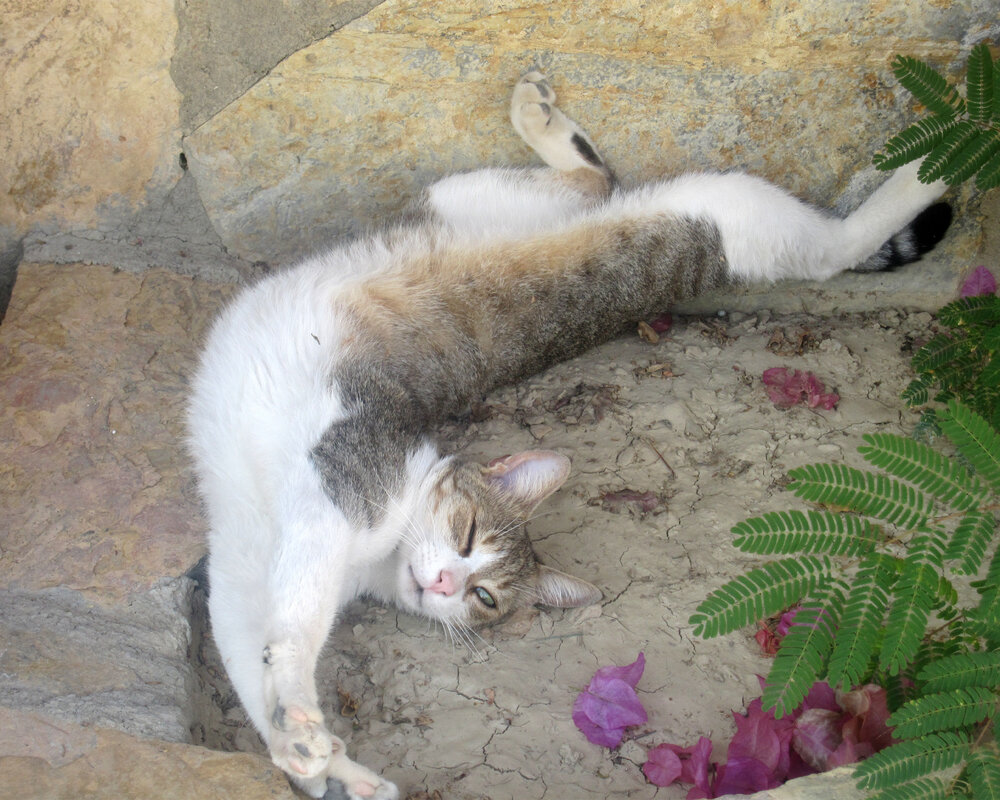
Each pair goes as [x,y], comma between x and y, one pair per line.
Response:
[534,88]
[532,106]
[349,780]
[300,743]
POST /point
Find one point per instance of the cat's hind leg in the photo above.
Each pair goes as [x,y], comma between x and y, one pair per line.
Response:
[561,142]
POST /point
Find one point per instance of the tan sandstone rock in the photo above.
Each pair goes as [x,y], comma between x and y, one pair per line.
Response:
[47,759]
[97,493]
[88,112]
[345,131]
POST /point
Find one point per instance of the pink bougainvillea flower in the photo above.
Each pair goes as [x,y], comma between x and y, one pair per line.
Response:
[770,639]
[662,323]
[817,735]
[821,695]
[609,704]
[787,388]
[742,776]
[868,710]
[980,281]
[663,765]
[667,763]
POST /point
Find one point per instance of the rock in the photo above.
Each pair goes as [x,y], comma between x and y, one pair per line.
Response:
[123,668]
[90,115]
[237,56]
[837,784]
[352,125]
[42,758]
[97,490]
[11,251]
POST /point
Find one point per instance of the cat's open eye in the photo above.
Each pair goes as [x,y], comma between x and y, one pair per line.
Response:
[469,539]
[485,597]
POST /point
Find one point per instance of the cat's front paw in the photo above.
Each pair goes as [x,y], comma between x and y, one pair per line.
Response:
[337,790]
[300,743]
[349,780]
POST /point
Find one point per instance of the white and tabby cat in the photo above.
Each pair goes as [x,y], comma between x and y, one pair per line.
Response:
[320,385]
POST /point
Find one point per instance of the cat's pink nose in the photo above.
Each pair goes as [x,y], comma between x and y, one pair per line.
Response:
[445,584]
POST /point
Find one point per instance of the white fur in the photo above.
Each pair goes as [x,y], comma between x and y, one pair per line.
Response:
[284,557]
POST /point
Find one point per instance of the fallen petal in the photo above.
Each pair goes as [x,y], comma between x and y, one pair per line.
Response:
[816,736]
[662,766]
[980,281]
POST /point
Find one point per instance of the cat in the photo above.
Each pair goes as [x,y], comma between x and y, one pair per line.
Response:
[319,388]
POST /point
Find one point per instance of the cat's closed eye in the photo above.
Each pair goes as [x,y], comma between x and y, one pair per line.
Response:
[466,551]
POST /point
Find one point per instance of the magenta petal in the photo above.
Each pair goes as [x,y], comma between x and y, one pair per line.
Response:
[630,673]
[609,704]
[695,768]
[817,735]
[821,695]
[980,281]
[662,765]
[742,776]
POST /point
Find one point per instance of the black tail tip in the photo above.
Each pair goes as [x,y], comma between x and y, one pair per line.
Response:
[930,226]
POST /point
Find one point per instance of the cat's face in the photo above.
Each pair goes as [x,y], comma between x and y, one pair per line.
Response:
[466,559]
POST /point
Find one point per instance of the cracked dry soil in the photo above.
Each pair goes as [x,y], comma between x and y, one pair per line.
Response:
[672,444]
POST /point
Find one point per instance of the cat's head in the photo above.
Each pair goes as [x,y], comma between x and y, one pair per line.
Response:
[466,558]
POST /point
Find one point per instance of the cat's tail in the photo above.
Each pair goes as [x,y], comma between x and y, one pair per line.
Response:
[910,244]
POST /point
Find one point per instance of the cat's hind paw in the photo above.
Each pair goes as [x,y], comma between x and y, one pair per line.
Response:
[560,142]
[531,106]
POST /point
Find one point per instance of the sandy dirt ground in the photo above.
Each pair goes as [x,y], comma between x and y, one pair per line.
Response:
[685,428]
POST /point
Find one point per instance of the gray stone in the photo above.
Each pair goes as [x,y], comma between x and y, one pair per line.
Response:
[217,60]
[11,252]
[124,668]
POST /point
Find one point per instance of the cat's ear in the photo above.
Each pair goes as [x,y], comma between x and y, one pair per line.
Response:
[528,477]
[559,590]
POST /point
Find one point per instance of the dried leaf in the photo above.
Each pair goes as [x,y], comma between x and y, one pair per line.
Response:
[632,502]
[647,333]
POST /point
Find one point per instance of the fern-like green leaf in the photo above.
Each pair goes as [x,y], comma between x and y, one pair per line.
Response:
[912,759]
[914,142]
[907,620]
[786,532]
[927,547]
[932,471]
[920,789]
[868,493]
[861,621]
[984,774]
[989,175]
[979,84]
[915,394]
[760,593]
[939,351]
[982,309]
[943,157]
[804,651]
[960,671]
[975,154]
[956,708]
[928,86]
[975,440]
[969,541]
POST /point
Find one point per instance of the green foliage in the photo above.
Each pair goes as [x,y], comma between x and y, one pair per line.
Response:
[871,571]
[961,138]
[961,361]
